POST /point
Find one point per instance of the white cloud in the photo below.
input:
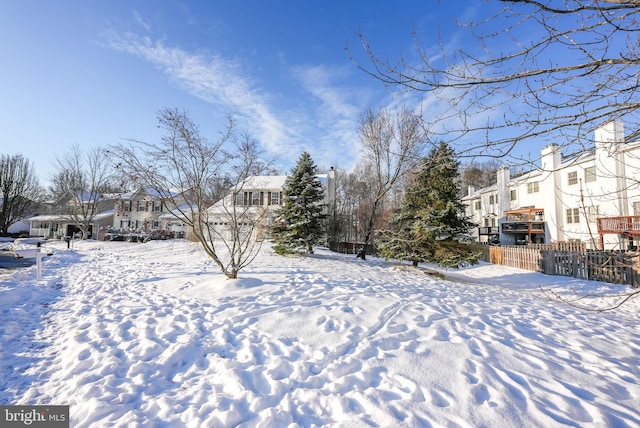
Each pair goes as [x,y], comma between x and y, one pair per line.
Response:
[337,112]
[212,78]
[141,21]
[324,123]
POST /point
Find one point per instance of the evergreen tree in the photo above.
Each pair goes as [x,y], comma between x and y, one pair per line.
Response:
[431,224]
[301,222]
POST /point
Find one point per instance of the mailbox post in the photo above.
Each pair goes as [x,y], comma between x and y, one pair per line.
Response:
[30,253]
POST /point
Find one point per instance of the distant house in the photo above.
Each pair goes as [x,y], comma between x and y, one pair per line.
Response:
[257,203]
[59,218]
[146,211]
[20,226]
[591,197]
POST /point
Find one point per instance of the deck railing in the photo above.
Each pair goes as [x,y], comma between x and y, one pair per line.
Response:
[621,224]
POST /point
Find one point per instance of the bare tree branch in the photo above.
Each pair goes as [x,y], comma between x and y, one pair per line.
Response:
[392,145]
[192,174]
[540,70]
[19,189]
[85,176]
[576,302]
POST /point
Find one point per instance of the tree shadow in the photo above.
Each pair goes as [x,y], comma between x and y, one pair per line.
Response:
[25,308]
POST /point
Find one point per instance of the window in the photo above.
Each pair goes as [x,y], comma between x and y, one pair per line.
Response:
[493,222]
[572,178]
[157,206]
[491,200]
[478,205]
[593,213]
[240,198]
[142,206]
[573,215]
[636,208]
[126,205]
[255,198]
[533,187]
[590,174]
[275,198]
[514,195]
[486,222]
[155,224]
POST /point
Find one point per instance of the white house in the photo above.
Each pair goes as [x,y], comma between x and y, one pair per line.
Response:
[145,211]
[592,197]
[59,218]
[257,202]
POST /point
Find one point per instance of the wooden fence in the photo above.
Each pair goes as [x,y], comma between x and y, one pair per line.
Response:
[614,267]
[580,247]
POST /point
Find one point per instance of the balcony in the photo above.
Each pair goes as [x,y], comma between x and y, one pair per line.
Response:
[525,215]
[524,220]
[527,224]
[515,227]
[629,225]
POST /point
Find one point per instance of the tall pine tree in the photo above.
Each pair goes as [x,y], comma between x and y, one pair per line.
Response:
[431,224]
[301,223]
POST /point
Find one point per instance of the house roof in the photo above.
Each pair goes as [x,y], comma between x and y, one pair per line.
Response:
[271,182]
[266,182]
[147,191]
[104,214]
[177,213]
[51,217]
[66,217]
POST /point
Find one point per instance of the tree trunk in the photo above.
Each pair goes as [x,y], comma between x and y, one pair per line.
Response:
[370,224]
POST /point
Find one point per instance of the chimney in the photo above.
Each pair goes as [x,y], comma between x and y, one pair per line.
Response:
[550,158]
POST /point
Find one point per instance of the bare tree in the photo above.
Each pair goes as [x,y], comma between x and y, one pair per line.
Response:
[352,189]
[201,181]
[552,71]
[84,176]
[19,189]
[245,223]
[478,174]
[392,144]
[543,70]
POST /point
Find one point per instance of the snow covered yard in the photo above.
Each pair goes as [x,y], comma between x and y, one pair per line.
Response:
[153,335]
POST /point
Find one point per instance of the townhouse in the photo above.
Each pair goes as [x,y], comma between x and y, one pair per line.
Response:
[592,197]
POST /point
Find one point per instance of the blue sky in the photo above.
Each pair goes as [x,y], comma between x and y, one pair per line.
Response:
[96,73]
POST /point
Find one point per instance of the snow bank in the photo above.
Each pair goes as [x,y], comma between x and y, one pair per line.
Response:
[153,335]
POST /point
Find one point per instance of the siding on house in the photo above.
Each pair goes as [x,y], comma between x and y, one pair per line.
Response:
[571,192]
[143,210]
[56,220]
[261,196]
